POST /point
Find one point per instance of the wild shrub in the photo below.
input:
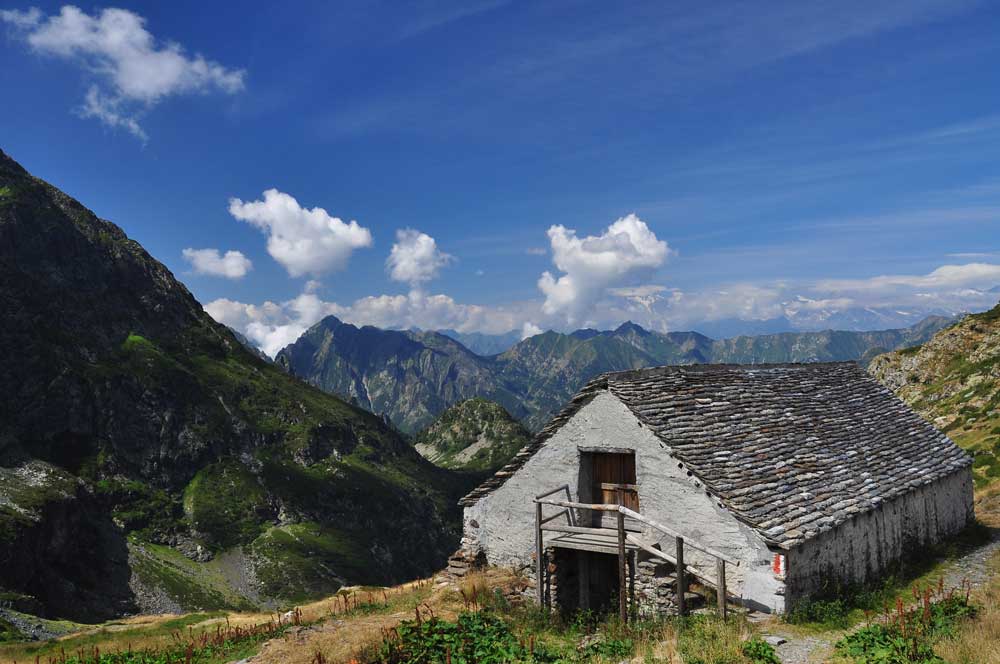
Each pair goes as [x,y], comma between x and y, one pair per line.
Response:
[760,651]
[478,637]
[907,635]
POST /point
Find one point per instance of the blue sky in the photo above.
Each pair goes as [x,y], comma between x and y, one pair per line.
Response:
[680,164]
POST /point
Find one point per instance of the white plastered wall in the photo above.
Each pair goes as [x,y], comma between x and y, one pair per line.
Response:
[503,522]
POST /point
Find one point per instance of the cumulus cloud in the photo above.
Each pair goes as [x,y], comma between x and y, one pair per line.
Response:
[231,265]
[304,241]
[415,258]
[626,253]
[133,70]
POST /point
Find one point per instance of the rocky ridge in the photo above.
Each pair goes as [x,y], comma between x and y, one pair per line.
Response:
[953,380]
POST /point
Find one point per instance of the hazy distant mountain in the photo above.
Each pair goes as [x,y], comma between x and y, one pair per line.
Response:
[411,377]
[737,327]
[484,344]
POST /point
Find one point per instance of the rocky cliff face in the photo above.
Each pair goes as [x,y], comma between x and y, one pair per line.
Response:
[154,424]
[410,377]
[953,380]
[475,434]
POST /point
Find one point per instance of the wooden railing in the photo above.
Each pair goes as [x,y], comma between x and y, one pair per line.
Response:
[542,524]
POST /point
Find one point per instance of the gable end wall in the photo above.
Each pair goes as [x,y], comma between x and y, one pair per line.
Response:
[502,523]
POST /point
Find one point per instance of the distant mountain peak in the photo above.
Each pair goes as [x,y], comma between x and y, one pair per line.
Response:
[629,326]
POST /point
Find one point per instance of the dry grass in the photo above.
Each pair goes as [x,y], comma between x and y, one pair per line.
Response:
[978,642]
[157,631]
[342,637]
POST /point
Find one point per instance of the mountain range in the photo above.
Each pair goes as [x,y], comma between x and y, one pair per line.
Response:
[410,377]
[149,462]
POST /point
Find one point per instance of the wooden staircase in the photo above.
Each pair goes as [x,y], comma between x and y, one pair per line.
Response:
[623,541]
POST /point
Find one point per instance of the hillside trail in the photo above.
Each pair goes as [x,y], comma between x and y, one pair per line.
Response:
[969,566]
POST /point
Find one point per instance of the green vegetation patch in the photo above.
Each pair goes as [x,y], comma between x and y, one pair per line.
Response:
[305,560]
[226,503]
[8,632]
[475,434]
[140,508]
[908,635]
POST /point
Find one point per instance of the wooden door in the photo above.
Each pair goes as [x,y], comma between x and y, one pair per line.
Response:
[614,480]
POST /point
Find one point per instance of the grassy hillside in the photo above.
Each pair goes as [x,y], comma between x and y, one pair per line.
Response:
[133,421]
[954,381]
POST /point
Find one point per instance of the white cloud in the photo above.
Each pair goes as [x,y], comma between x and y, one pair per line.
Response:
[624,254]
[304,241]
[529,329]
[109,111]
[875,302]
[132,69]
[232,265]
[272,326]
[22,20]
[415,257]
[944,277]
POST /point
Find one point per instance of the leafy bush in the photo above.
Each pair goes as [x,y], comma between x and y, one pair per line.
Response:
[759,651]
[832,613]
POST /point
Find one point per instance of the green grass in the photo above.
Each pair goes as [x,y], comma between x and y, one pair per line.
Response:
[304,560]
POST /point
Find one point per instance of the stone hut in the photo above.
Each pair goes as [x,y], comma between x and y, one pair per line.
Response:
[798,475]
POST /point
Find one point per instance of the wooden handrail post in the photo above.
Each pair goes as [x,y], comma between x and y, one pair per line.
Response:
[681,585]
[622,588]
[720,585]
[539,555]
[632,559]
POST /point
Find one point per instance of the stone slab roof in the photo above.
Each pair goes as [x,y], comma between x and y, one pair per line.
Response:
[792,450]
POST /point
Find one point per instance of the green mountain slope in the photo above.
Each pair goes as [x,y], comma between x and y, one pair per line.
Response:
[953,380]
[474,434]
[131,418]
